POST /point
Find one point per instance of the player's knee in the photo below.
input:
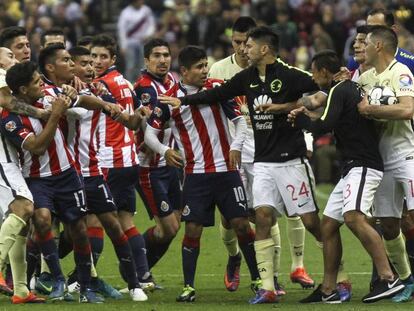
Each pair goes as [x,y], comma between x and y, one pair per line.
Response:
[352,219]
[171,231]
[22,208]
[43,226]
[79,231]
[263,217]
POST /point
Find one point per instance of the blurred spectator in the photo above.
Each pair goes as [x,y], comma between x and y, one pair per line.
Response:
[286,30]
[135,24]
[333,28]
[169,27]
[404,13]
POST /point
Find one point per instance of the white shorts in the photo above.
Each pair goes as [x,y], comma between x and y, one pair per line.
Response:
[12,185]
[396,185]
[247,176]
[354,192]
[289,189]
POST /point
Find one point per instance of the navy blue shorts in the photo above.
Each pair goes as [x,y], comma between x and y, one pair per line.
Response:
[99,198]
[160,190]
[63,195]
[122,183]
[203,191]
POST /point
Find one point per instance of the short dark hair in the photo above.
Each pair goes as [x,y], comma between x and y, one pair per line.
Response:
[51,32]
[107,42]
[267,35]
[8,34]
[388,16]
[386,34]
[243,24]
[84,41]
[21,74]
[327,59]
[190,55]
[78,51]
[364,29]
[48,56]
[149,45]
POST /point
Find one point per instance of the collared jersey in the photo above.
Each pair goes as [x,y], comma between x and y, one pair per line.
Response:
[356,137]
[147,89]
[275,139]
[397,138]
[226,69]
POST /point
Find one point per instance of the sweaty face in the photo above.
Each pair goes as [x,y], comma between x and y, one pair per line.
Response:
[64,67]
[359,48]
[159,61]
[53,39]
[238,41]
[21,48]
[197,74]
[102,59]
[253,51]
[84,68]
[7,58]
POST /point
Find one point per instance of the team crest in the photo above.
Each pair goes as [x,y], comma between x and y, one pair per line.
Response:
[276,85]
[164,206]
[10,126]
[158,111]
[186,211]
[405,80]
[145,98]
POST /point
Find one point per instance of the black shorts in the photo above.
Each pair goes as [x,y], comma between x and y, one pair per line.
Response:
[99,198]
[160,190]
[63,195]
[203,191]
[121,182]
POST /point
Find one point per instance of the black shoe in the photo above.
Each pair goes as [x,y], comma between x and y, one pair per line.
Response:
[318,296]
[383,289]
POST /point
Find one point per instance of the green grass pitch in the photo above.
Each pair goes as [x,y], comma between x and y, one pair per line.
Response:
[210,291]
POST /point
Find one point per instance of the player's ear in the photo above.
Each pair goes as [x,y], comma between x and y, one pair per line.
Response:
[23,90]
[113,59]
[50,67]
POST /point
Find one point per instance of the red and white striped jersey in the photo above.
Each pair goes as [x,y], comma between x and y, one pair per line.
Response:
[116,143]
[56,159]
[147,89]
[201,132]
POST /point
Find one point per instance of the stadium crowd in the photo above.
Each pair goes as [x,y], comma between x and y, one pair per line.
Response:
[209,111]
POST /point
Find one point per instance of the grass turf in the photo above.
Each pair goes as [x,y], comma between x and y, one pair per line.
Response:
[210,291]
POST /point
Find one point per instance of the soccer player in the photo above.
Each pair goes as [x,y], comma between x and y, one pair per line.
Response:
[16,203]
[210,164]
[101,208]
[359,52]
[118,158]
[50,175]
[52,36]
[362,170]
[159,183]
[396,146]
[283,176]
[15,39]
[225,70]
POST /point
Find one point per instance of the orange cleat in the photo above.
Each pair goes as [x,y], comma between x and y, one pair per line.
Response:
[30,298]
[4,289]
[300,276]
[232,274]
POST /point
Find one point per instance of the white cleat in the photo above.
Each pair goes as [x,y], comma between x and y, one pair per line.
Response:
[124,290]
[74,288]
[137,294]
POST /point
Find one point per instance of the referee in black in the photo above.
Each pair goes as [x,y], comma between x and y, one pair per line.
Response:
[284,182]
[351,200]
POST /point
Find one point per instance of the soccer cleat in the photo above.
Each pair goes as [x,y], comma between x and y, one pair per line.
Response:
[232,274]
[147,287]
[4,289]
[345,290]
[137,294]
[256,285]
[44,284]
[300,276]
[58,291]
[278,288]
[264,296]
[89,296]
[106,289]
[188,294]
[383,289]
[74,287]
[30,298]
[405,295]
[319,296]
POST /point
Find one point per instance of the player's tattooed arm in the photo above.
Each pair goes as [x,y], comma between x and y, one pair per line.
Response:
[22,108]
[314,101]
